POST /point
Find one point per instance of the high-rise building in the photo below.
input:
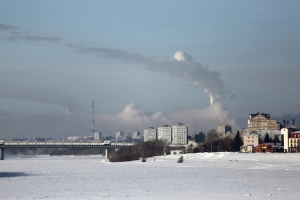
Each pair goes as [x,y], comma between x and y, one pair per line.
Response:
[119,136]
[293,122]
[129,133]
[200,138]
[150,134]
[165,133]
[179,133]
[97,135]
[224,128]
[136,135]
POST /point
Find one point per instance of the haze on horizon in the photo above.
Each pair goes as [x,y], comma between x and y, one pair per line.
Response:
[145,64]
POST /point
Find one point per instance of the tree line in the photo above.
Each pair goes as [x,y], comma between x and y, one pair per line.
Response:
[140,150]
[215,143]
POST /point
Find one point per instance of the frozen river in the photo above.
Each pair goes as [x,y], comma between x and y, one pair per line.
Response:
[201,176]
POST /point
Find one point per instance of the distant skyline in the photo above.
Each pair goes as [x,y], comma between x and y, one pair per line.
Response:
[146,64]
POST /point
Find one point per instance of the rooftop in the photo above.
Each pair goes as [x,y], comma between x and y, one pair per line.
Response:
[268,116]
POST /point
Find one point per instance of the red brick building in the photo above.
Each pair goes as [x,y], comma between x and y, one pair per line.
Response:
[263,148]
[269,148]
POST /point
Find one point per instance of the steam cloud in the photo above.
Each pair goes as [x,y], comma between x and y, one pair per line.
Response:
[4,27]
[32,38]
[16,35]
[197,119]
[181,65]
[44,96]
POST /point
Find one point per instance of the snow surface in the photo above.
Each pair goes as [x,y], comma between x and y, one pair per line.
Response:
[201,176]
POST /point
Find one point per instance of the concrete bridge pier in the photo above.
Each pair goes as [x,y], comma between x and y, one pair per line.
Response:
[106,153]
[1,153]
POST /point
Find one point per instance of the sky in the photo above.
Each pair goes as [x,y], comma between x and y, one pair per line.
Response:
[146,63]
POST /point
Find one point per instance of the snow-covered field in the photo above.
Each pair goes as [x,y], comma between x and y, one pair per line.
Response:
[201,176]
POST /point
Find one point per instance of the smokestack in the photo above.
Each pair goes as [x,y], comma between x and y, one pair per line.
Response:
[293,122]
[287,122]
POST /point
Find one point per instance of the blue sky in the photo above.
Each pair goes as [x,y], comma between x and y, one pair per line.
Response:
[56,54]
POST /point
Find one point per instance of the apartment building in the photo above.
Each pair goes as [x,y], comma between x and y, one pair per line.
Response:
[224,128]
[165,133]
[150,134]
[179,133]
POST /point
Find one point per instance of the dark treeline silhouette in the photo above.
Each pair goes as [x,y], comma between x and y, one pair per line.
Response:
[139,150]
[215,143]
[268,139]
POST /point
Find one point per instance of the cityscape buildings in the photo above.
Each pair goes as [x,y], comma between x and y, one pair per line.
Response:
[177,134]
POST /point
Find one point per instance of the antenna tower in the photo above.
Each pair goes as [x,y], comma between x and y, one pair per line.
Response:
[93,129]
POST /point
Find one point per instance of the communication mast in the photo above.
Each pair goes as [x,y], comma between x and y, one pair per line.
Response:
[93,129]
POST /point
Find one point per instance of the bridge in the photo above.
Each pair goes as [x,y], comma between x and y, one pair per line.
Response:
[107,145]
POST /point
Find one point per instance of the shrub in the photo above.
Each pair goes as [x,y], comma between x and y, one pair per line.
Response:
[137,151]
[180,160]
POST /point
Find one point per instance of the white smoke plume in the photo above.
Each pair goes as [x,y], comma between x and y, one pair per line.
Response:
[132,117]
[5,27]
[180,65]
[183,66]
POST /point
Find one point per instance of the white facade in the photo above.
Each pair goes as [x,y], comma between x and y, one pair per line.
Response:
[179,133]
[119,136]
[97,135]
[129,133]
[251,139]
[150,134]
[165,133]
[247,149]
[136,135]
